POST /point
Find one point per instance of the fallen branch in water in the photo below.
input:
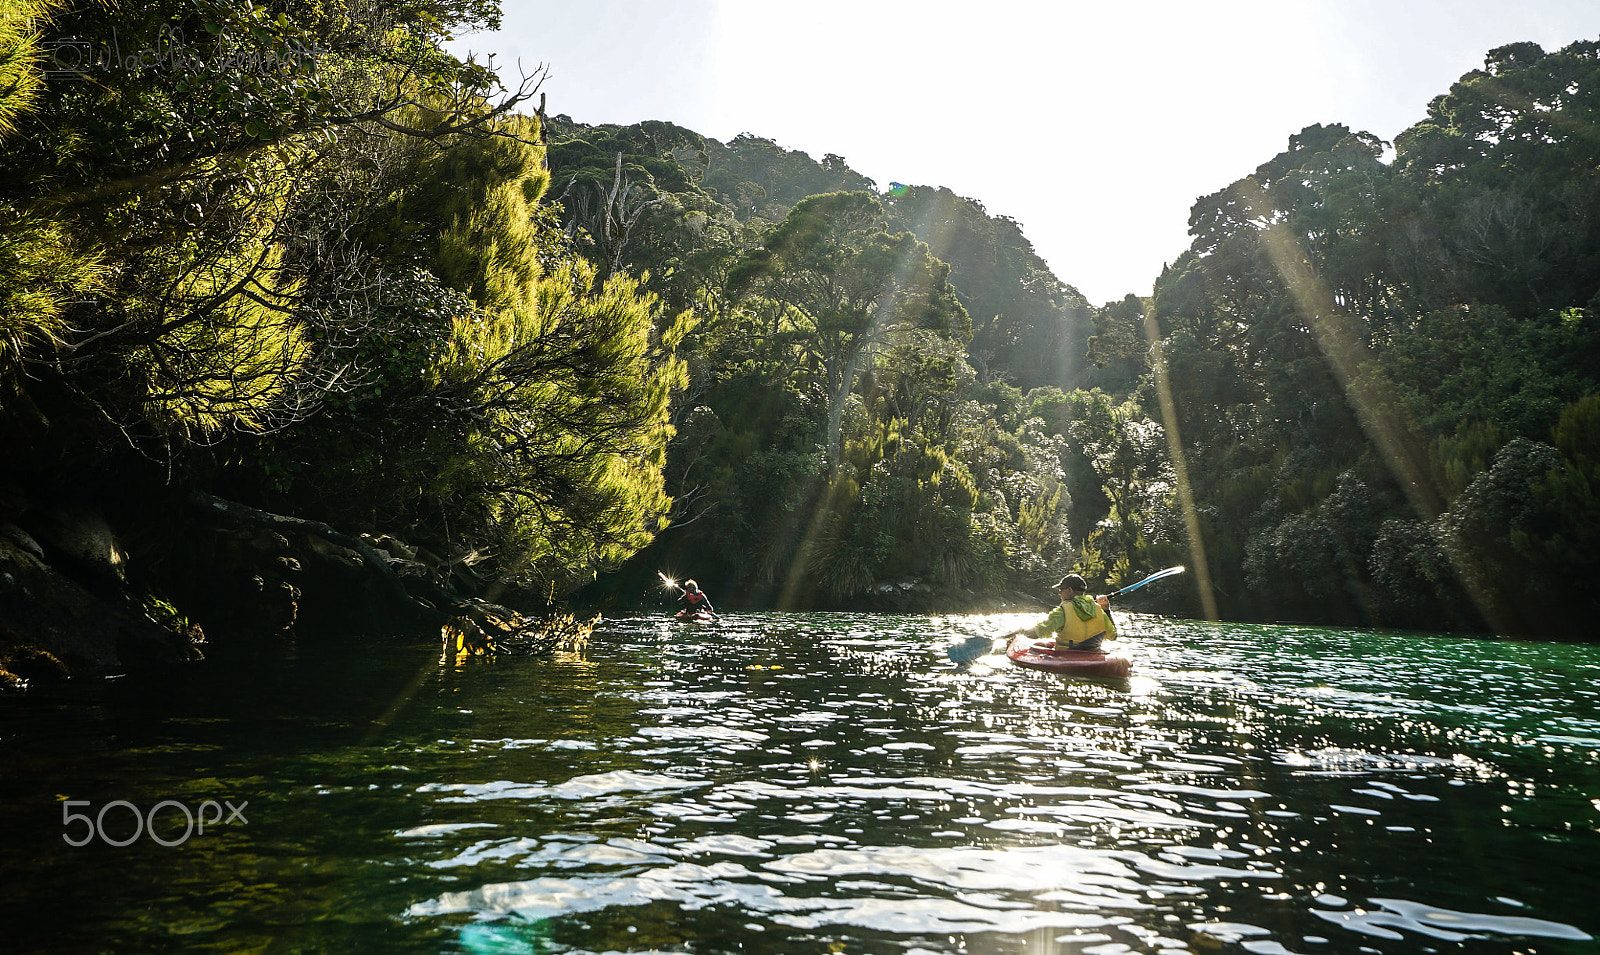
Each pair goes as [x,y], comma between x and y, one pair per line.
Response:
[485,628]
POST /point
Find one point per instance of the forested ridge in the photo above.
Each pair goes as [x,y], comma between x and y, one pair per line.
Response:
[299,306]
[1366,395]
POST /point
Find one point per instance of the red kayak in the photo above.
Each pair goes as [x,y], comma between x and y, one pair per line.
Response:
[1077,662]
[695,616]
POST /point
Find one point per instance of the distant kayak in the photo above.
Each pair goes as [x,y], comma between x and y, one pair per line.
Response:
[1079,662]
[697,616]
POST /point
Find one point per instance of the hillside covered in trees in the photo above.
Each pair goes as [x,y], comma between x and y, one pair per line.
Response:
[364,332]
[1366,395]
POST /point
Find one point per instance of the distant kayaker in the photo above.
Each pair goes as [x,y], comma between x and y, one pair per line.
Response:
[1079,622]
[693,599]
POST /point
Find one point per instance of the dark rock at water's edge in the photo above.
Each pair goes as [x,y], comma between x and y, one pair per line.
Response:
[65,606]
[98,585]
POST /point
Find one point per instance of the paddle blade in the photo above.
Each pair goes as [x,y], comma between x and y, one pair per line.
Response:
[971,649]
[1158,575]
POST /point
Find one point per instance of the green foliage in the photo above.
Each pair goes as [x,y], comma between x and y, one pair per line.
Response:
[1316,561]
[138,93]
[833,332]
[702,205]
[1414,582]
[394,309]
[323,251]
[484,196]
[1460,457]
[188,141]
[909,518]
[1119,346]
[851,313]
[507,395]
[757,177]
[20,77]
[1041,522]
[390,336]
[235,364]
[42,271]
[164,614]
[1507,553]
[1480,363]
[827,284]
[1128,451]
[1504,173]
[1027,324]
[1499,505]
[586,157]
[1564,545]
[1401,334]
[571,448]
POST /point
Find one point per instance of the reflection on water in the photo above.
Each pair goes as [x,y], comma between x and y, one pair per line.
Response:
[832,783]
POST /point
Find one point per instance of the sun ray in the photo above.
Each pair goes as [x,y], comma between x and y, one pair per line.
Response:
[860,362]
[1377,403]
[1180,470]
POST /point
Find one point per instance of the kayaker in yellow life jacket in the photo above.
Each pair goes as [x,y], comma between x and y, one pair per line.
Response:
[1079,622]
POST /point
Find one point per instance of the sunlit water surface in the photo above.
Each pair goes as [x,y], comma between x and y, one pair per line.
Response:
[821,783]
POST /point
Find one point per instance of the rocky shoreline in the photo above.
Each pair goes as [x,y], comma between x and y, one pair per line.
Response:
[88,588]
[101,586]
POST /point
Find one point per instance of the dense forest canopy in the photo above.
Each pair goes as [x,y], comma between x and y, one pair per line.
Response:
[369,288]
[299,256]
[1360,396]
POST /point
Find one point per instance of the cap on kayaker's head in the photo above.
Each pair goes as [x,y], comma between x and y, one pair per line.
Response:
[1075,582]
[691,586]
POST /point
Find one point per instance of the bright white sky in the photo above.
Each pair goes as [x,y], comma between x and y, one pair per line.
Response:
[1095,125]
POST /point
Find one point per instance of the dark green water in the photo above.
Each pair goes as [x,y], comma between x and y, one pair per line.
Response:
[816,784]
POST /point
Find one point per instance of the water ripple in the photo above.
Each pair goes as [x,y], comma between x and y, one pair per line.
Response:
[804,784]
[579,787]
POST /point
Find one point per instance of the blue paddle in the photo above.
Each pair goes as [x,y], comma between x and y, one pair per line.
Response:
[974,647]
